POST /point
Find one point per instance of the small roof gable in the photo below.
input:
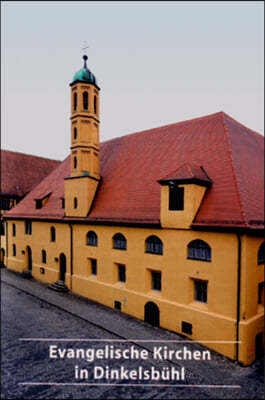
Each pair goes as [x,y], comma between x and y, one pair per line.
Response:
[187,173]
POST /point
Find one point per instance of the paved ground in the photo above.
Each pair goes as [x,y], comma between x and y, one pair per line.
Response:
[31,310]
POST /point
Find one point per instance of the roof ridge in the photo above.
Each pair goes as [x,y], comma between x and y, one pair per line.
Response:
[242,211]
[186,121]
[239,123]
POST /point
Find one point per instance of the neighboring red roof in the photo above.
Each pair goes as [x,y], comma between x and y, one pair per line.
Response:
[187,172]
[20,173]
[130,166]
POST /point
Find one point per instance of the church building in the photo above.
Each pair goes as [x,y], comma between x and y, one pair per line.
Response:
[165,225]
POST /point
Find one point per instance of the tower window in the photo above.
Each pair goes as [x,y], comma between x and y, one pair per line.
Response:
[119,242]
[91,239]
[85,100]
[75,133]
[13,229]
[153,245]
[200,291]
[53,234]
[95,104]
[14,250]
[75,202]
[63,202]
[75,101]
[156,280]
[261,254]
[75,162]
[261,293]
[43,257]
[199,250]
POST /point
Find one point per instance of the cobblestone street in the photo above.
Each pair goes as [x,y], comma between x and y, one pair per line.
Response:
[31,311]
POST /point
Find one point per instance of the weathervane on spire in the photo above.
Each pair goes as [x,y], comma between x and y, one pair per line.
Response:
[84,47]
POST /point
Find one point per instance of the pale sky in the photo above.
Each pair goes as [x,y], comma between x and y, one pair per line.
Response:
[156,63]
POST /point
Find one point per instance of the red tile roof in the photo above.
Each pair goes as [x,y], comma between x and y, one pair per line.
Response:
[230,153]
[20,173]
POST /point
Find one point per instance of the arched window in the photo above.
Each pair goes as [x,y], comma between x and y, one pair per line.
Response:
[199,250]
[75,101]
[43,256]
[95,104]
[91,238]
[261,254]
[153,245]
[75,133]
[14,250]
[85,100]
[75,162]
[53,236]
[75,202]
[119,242]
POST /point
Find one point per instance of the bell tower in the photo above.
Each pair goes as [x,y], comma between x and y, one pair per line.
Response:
[81,185]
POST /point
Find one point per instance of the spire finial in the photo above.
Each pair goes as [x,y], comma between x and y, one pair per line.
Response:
[84,48]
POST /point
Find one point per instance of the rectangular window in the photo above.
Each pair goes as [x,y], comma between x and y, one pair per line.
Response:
[28,227]
[186,327]
[156,280]
[63,202]
[4,204]
[117,305]
[176,198]
[121,273]
[14,250]
[14,229]
[94,266]
[261,293]
[200,291]
[2,227]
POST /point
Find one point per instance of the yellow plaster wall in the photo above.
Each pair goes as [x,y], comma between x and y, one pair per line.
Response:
[3,248]
[251,313]
[193,195]
[252,274]
[40,240]
[84,189]
[213,321]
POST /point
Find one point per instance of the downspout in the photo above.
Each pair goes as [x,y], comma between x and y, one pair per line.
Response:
[6,243]
[71,255]
[238,294]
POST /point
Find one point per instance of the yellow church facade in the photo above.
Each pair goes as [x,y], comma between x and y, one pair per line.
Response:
[169,238]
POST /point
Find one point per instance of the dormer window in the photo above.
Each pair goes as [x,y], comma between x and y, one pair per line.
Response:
[176,198]
[38,203]
[75,202]
[41,201]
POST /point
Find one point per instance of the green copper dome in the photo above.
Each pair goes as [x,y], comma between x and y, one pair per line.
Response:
[84,75]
